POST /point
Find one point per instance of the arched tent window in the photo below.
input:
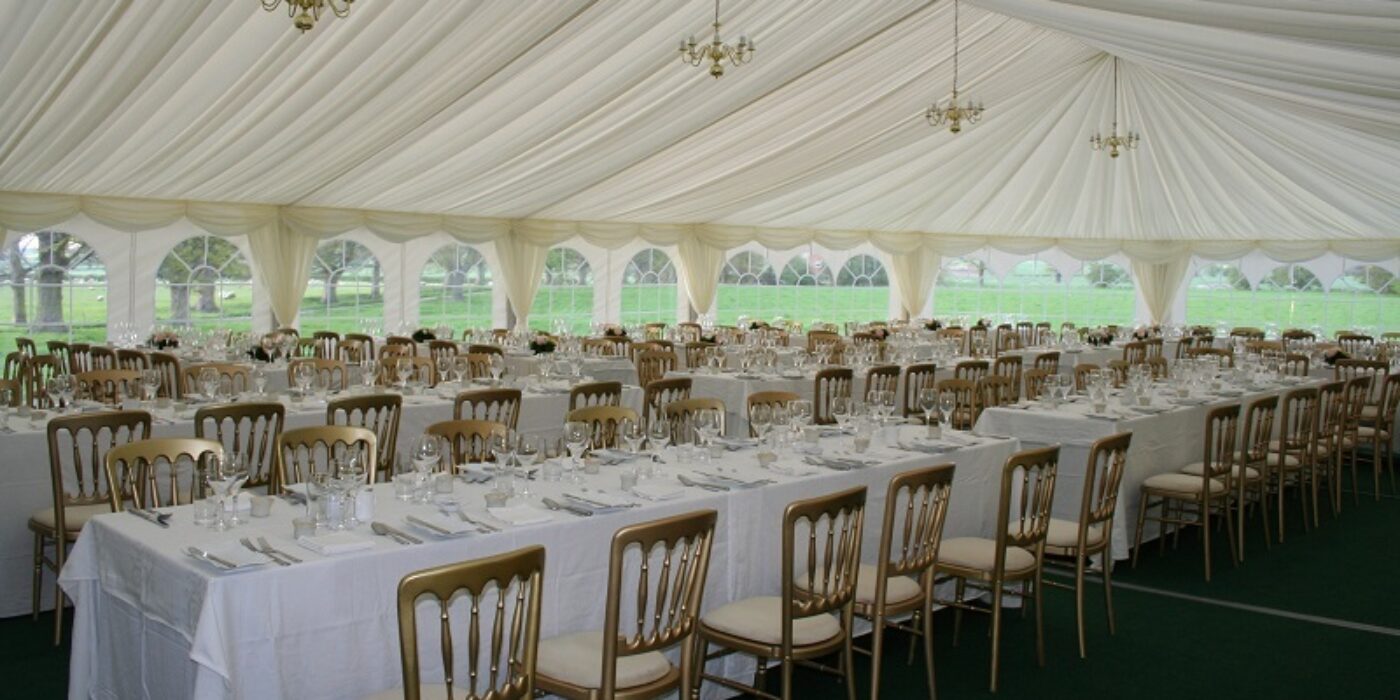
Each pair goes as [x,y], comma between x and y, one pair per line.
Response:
[746,288]
[1218,295]
[649,288]
[864,290]
[57,290]
[807,290]
[966,288]
[565,298]
[1100,293]
[205,282]
[346,289]
[454,289]
[1364,297]
[1290,296]
[1033,291]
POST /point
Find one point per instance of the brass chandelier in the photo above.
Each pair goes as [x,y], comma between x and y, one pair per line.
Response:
[1113,142]
[716,52]
[952,112]
[305,13]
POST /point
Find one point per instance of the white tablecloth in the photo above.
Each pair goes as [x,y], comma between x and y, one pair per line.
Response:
[153,623]
[25,482]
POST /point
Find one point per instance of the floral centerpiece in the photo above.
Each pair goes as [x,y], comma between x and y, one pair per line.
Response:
[541,344]
[1331,356]
[757,325]
[933,325]
[163,340]
[709,338]
[1098,337]
[423,335]
[880,332]
[1146,332]
[612,330]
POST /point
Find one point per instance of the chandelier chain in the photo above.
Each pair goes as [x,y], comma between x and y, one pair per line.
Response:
[953,112]
[1113,142]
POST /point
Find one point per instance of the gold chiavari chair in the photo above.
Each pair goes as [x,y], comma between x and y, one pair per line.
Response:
[661,392]
[681,416]
[636,349]
[1298,334]
[132,359]
[100,357]
[423,370]
[917,378]
[108,386]
[1186,343]
[597,346]
[1035,379]
[378,413]
[1354,343]
[830,383]
[512,584]
[1120,371]
[1007,339]
[326,345]
[59,350]
[1092,534]
[653,331]
[304,452]
[770,399]
[404,344]
[15,396]
[1225,356]
[690,331]
[79,358]
[1135,353]
[1048,361]
[479,365]
[438,349]
[1251,475]
[1017,552]
[1154,348]
[333,373]
[26,346]
[818,339]
[881,378]
[1291,456]
[1082,373]
[38,371]
[697,353]
[1210,491]
[470,440]
[654,364]
[971,370]
[1378,433]
[78,447]
[1351,368]
[1331,406]
[483,349]
[134,471]
[1009,366]
[1354,395]
[250,429]
[964,393]
[992,391]
[14,365]
[170,376]
[304,347]
[603,422]
[1295,364]
[595,394]
[499,405]
[1158,367]
[1263,346]
[901,580]
[1247,332]
[364,342]
[976,336]
[624,659]
[801,622]
[233,376]
[499,335]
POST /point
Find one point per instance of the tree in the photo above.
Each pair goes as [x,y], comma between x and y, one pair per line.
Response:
[199,263]
[333,260]
[47,258]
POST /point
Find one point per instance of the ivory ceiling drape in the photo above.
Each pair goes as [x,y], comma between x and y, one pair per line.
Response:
[1265,125]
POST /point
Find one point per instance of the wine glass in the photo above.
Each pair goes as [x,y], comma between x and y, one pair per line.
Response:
[946,403]
[352,478]
[427,455]
[259,376]
[497,368]
[502,447]
[928,401]
[67,386]
[761,418]
[150,383]
[633,435]
[444,366]
[658,436]
[404,370]
[303,374]
[527,452]
[235,463]
[209,383]
[800,411]
[368,375]
[460,368]
[226,476]
[577,435]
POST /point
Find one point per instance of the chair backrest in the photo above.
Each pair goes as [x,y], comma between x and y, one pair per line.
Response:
[1158,367]
[499,405]
[1009,366]
[78,447]
[134,471]
[1354,343]
[964,393]
[1258,431]
[766,398]
[918,377]
[1154,347]
[108,386]
[1218,459]
[666,605]
[470,440]
[1120,371]
[483,349]
[603,423]
[405,344]
[1048,361]
[479,364]
[654,364]
[364,344]
[1297,431]
[15,387]
[1103,475]
[14,365]
[1027,492]
[697,353]
[26,347]
[423,370]
[1390,401]
[1225,356]
[1135,352]
[233,376]
[681,415]
[1295,364]
[1351,368]
[690,331]
[1081,375]
[881,378]
[830,383]
[661,392]
[333,373]
[38,371]
[992,391]
[248,428]
[916,507]
[79,358]
[595,394]
[438,349]
[598,347]
[1354,403]
[132,359]
[817,339]
[1247,332]
[825,532]
[170,377]
[379,413]
[511,584]
[100,357]
[971,370]
[304,452]
[1035,379]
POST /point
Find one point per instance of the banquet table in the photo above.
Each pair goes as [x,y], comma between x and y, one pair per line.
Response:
[151,622]
[1163,442]
[25,485]
[602,369]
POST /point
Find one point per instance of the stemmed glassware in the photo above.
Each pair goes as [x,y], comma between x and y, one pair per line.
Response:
[427,455]
[841,411]
[658,436]
[226,477]
[460,367]
[633,435]
[946,403]
[577,435]
[527,450]
[497,368]
[351,474]
[444,367]
[503,446]
[706,427]
[150,383]
[259,376]
[761,418]
[368,374]
[928,401]
[404,370]
[209,383]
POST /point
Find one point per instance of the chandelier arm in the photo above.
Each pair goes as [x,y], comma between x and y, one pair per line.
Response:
[341,8]
[270,5]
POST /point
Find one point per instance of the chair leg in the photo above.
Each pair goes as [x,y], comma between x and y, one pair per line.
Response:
[928,655]
[787,678]
[996,631]
[848,664]
[760,672]
[1108,588]
[1238,536]
[1205,528]
[1235,557]
[877,648]
[60,554]
[1078,600]
[957,610]
[702,648]
[1137,540]
[38,570]
[1040,620]
[1264,507]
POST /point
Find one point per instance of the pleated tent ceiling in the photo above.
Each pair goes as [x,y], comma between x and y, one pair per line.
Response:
[1273,124]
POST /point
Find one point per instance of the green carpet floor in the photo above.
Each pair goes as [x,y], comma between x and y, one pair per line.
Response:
[1166,646]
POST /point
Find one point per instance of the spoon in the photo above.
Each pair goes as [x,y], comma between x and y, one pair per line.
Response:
[386,531]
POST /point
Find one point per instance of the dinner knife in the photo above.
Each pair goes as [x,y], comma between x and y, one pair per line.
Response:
[427,525]
[149,517]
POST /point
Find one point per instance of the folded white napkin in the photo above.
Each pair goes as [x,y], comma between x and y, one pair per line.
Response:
[333,543]
[597,502]
[520,515]
[657,492]
[790,469]
[452,525]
